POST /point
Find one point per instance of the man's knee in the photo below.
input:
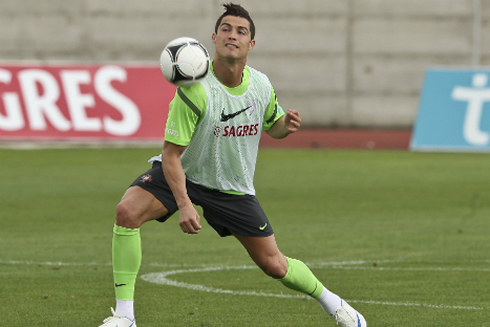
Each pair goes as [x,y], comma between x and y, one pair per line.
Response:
[138,206]
[275,267]
[126,216]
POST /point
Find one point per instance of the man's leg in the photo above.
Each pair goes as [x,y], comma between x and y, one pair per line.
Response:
[295,275]
[291,273]
[137,206]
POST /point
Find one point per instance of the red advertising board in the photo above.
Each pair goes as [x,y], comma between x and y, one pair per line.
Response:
[83,102]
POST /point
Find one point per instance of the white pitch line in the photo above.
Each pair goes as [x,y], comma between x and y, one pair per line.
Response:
[51,263]
[403,269]
[155,264]
[339,265]
[161,278]
[78,264]
[425,305]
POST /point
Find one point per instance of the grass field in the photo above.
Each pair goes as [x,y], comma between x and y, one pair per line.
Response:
[403,236]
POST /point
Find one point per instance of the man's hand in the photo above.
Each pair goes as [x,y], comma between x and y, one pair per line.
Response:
[287,124]
[189,219]
[292,120]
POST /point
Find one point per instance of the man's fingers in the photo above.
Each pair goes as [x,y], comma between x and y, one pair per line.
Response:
[196,225]
[191,226]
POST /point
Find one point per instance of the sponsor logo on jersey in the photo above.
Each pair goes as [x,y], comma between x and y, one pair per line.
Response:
[217,131]
[232,115]
[172,132]
[240,130]
[146,178]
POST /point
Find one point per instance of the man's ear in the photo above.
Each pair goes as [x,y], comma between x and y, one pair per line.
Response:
[251,45]
[213,37]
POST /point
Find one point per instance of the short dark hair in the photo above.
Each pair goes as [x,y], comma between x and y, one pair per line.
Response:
[232,9]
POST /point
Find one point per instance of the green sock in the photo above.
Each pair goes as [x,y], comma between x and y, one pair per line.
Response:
[126,260]
[300,278]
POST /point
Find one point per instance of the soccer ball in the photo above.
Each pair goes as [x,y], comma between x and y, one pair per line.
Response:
[184,61]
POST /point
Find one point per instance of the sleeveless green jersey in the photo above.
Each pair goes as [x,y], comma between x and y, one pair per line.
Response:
[221,129]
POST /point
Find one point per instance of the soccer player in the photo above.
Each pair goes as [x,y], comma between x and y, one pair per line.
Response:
[208,158]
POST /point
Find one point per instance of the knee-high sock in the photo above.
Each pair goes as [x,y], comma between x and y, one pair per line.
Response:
[300,278]
[126,260]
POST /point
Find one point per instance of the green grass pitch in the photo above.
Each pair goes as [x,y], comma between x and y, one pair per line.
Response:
[403,236]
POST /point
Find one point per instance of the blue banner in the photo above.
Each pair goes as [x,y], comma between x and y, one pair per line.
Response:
[454,112]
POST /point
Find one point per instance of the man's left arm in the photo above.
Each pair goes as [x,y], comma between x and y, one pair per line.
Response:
[287,124]
[277,123]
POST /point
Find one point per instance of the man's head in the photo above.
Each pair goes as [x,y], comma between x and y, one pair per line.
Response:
[232,9]
[234,35]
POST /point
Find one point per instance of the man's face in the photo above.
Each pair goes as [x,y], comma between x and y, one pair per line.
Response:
[233,39]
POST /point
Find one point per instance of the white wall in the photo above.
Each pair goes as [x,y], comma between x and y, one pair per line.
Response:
[347,63]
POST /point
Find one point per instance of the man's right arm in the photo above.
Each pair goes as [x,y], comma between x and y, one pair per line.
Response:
[185,110]
[174,174]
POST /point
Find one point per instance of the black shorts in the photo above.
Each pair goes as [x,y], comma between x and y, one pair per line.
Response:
[225,212]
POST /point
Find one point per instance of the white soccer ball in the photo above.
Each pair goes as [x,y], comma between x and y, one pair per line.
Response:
[184,61]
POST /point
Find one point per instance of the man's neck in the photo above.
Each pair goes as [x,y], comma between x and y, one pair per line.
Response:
[228,73]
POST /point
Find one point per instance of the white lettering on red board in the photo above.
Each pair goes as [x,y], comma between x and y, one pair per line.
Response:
[41,107]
